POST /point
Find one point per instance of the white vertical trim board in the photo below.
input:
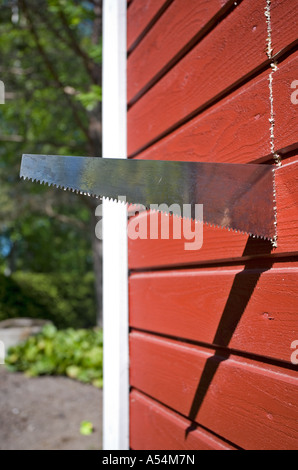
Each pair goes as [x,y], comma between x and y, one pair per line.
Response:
[115,266]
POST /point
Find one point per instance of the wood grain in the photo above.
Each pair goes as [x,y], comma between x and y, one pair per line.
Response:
[284,23]
[181,23]
[251,404]
[222,245]
[140,15]
[287,206]
[254,309]
[155,427]
[286,113]
[236,130]
[230,312]
[223,56]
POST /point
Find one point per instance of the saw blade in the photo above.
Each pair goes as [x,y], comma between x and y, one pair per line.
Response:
[234,196]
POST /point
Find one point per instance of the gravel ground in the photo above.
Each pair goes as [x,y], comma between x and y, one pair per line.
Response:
[45,413]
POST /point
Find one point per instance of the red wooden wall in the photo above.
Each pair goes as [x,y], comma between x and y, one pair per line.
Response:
[211,330]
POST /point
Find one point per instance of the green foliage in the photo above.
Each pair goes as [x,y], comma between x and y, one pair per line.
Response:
[74,353]
[86,428]
[44,245]
[66,300]
[90,99]
[51,67]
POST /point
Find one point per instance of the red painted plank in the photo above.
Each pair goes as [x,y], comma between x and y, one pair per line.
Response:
[287,206]
[222,245]
[140,14]
[236,130]
[220,60]
[155,427]
[254,309]
[284,23]
[183,20]
[218,245]
[248,403]
[286,112]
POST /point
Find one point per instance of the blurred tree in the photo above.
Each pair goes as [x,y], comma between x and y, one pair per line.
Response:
[51,65]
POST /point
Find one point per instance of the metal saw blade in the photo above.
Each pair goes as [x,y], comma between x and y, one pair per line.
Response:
[234,196]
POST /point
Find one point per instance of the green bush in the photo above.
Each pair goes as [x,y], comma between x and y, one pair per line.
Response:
[66,300]
[74,353]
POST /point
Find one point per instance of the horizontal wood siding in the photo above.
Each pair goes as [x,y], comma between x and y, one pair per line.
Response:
[253,310]
[251,404]
[163,429]
[176,30]
[238,123]
[286,119]
[284,24]
[211,329]
[222,245]
[223,57]
[141,16]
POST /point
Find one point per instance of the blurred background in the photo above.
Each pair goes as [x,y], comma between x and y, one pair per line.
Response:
[50,259]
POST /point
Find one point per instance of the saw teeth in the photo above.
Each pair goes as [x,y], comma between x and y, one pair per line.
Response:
[126,203]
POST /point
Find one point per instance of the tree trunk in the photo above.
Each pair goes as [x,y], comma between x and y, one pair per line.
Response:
[95,133]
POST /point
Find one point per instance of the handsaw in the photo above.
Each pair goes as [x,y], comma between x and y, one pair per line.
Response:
[238,197]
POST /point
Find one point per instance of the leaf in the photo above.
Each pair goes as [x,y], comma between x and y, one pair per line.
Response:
[74,353]
[90,99]
[86,428]
[73,372]
[98,383]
